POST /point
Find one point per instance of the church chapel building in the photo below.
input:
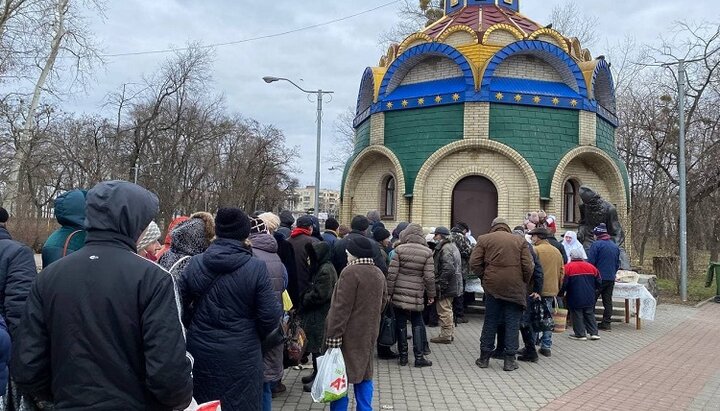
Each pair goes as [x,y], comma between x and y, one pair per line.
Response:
[484,113]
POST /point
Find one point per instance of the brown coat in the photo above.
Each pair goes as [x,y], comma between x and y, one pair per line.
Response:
[553,268]
[410,274]
[354,319]
[504,264]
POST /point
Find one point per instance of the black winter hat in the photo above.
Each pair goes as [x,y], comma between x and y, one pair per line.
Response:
[331,224]
[4,216]
[360,247]
[304,221]
[360,223]
[286,218]
[233,223]
[381,234]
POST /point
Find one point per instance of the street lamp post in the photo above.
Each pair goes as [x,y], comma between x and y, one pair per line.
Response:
[320,94]
[138,167]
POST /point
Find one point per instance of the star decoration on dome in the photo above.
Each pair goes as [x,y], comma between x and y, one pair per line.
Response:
[456,97]
[573,103]
[438,99]
[421,101]
[390,105]
[555,101]
[499,96]
[536,99]
[518,97]
[404,103]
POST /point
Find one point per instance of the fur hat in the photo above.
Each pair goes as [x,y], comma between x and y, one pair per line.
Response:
[360,247]
[149,236]
[272,221]
[359,223]
[209,222]
[381,234]
[304,221]
[4,216]
[233,223]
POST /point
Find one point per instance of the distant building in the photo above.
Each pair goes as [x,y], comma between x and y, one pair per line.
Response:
[305,200]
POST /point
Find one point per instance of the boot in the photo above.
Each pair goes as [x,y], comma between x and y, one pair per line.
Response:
[418,344]
[510,363]
[529,353]
[386,353]
[402,346]
[426,343]
[484,360]
[307,387]
[308,379]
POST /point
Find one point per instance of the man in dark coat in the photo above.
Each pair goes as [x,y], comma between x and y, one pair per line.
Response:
[448,280]
[17,271]
[331,231]
[300,236]
[235,309]
[70,213]
[505,266]
[101,329]
[604,254]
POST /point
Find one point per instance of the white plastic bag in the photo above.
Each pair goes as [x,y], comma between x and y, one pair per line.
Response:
[331,379]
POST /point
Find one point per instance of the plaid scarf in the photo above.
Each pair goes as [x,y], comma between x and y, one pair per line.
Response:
[363,261]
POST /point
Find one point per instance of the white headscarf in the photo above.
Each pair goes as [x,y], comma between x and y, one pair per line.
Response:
[574,244]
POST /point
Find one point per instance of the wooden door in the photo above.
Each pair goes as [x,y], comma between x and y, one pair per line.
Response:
[475,202]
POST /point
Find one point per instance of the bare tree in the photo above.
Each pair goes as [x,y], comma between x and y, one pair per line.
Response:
[572,21]
[344,139]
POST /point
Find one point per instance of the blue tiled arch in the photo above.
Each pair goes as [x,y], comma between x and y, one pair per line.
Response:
[603,67]
[524,46]
[429,49]
[367,84]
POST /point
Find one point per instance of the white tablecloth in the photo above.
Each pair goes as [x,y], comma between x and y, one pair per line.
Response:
[474,286]
[633,291]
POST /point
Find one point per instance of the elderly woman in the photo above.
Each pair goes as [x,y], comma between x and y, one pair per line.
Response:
[570,242]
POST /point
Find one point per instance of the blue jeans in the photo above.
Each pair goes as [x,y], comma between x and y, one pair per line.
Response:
[500,313]
[546,336]
[363,398]
[267,396]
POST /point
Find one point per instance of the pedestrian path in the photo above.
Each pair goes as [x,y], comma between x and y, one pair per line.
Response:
[672,363]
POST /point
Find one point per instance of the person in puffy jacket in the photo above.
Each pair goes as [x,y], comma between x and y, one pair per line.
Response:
[448,279]
[17,272]
[580,284]
[5,349]
[101,327]
[410,277]
[189,238]
[70,213]
[234,309]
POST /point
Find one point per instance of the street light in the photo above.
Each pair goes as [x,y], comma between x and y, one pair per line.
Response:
[138,167]
[319,94]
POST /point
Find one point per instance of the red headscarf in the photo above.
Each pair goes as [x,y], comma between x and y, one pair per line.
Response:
[168,239]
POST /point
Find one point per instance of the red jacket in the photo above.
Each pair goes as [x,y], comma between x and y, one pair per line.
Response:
[581,281]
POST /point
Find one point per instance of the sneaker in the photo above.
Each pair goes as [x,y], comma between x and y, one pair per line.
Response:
[546,352]
[577,337]
[594,337]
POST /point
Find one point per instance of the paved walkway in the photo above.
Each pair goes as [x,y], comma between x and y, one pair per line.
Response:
[673,363]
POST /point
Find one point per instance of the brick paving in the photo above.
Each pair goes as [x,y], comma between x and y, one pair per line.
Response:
[626,369]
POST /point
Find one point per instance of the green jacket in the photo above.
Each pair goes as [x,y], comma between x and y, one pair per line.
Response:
[713,270]
[70,213]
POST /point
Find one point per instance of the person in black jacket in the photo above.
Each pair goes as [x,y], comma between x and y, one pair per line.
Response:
[235,309]
[101,329]
[17,271]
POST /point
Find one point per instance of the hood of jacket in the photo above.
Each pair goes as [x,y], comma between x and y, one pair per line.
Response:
[120,207]
[70,208]
[264,241]
[319,253]
[413,233]
[188,238]
[226,255]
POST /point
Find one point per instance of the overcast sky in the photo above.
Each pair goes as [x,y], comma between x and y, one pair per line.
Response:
[331,57]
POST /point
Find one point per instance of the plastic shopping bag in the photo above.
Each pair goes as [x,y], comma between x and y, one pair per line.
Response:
[287,302]
[207,406]
[331,379]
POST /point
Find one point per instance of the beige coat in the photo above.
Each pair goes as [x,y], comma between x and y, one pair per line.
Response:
[504,264]
[353,322]
[410,274]
[553,268]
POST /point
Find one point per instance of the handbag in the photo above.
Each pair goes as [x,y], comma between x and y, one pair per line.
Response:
[295,343]
[547,323]
[277,336]
[67,241]
[388,334]
[560,318]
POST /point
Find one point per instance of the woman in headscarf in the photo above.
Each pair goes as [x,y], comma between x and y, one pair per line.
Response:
[189,238]
[570,242]
[168,238]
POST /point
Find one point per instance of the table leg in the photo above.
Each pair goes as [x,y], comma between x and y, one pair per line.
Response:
[638,325]
[627,311]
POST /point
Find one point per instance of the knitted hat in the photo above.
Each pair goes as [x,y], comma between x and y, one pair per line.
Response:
[373,215]
[286,218]
[359,223]
[600,229]
[442,231]
[233,223]
[272,221]
[498,221]
[576,254]
[4,216]
[360,247]
[381,234]
[257,225]
[149,236]
[331,224]
[304,221]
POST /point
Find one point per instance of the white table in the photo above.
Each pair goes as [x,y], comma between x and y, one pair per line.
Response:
[645,303]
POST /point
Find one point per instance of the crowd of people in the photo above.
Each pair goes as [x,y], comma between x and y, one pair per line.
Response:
[119,320]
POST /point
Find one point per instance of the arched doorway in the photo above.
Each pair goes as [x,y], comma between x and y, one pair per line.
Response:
[475,202]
